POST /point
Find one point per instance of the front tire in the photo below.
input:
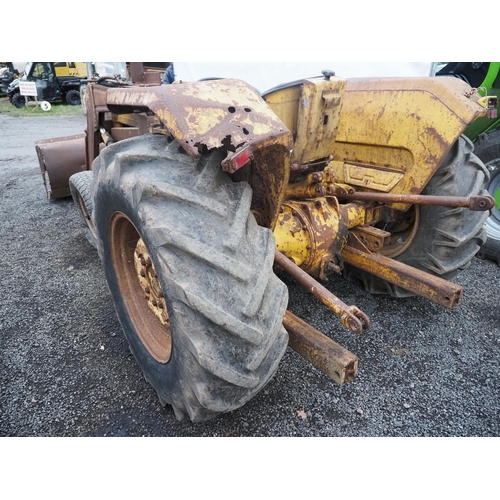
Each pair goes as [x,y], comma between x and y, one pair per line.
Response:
[73,98]
[80,185]
[443,240]
[18,100]
[201,254]
[487,148]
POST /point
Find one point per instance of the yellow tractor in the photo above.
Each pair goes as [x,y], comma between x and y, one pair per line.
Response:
[194,192]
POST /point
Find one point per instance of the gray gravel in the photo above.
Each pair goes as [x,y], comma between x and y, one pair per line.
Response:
[65,368]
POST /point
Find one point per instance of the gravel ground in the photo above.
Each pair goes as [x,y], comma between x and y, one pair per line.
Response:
[66,370]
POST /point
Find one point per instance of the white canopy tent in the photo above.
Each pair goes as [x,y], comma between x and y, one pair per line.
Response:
[265,75]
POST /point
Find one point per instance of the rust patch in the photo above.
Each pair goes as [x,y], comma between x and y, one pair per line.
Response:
[222,114]
[219,113]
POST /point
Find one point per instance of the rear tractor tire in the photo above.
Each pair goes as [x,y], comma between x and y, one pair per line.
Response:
[190,273]
[487,148]
[439,240]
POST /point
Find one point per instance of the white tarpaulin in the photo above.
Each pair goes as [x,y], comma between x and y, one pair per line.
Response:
[265,75]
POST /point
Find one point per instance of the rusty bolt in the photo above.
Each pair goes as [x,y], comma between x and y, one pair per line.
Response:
[148,262]
[320,190]
[143,262]
[147,289]
[154,302]
[143,274]
[160,304]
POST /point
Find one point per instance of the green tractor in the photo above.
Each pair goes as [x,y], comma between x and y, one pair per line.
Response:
[485,133]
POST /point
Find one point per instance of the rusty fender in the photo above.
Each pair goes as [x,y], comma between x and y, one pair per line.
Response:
[59,159]
[204,116]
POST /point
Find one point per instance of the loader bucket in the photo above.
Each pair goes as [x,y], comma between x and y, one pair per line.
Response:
[59,159]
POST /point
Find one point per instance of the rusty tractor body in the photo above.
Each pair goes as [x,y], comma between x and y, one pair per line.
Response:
[366,178]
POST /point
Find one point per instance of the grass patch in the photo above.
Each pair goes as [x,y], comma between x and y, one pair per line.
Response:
[57,109]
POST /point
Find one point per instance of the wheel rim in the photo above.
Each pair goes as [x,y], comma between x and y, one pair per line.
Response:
[140,288]
[492,224]
[403,235]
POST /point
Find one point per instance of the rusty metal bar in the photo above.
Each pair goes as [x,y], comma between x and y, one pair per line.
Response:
[137,72]
[475,203]
[419,282]
[350,316]
[332,359]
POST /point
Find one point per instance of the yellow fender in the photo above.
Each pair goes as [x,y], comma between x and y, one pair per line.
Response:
[394,133]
